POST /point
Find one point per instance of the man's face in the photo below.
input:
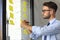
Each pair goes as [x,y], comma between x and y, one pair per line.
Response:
[46,12]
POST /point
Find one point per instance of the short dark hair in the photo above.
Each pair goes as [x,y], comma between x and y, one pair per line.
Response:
[51,4]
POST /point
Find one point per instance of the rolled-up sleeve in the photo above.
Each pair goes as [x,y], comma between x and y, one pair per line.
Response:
[50,30]
[34,34]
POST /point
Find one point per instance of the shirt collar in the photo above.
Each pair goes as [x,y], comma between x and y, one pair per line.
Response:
[51,21]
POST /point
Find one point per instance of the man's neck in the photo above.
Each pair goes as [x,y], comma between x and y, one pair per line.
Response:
[51,18]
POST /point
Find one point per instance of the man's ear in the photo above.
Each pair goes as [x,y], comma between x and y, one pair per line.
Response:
[52,12]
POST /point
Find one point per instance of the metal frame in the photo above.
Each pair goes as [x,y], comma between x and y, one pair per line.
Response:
[4,19]
[32,11]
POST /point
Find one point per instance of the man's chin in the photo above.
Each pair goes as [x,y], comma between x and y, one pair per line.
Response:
[45,18]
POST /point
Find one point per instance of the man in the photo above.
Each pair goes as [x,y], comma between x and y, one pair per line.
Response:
[51,31]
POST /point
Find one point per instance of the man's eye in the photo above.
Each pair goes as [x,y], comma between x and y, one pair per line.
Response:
[45,10]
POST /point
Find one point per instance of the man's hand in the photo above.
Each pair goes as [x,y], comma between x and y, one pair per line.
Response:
[25,24]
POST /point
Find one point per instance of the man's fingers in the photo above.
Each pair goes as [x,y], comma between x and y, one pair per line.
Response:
[26,21]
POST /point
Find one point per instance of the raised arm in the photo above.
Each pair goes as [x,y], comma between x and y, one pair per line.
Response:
[47,30]
[25,24]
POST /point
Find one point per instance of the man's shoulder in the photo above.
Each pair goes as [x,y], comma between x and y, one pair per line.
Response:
[57,21]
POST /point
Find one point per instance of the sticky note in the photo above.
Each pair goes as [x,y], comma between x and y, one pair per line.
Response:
[24,9]
[25,15]
[11,15]
[11,1]
[11,22]
[10,8]
[25,31]
[24,3]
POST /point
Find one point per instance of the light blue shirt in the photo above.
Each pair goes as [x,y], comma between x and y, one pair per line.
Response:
[52,31]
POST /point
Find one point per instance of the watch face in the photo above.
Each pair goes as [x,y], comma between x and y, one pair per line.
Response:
[0,19]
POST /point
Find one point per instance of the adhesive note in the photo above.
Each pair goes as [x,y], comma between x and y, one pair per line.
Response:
[11,1]
[25,31]
[24,3]
[24,9]
[10,8]
[11,15]
[11,22]
[25,15]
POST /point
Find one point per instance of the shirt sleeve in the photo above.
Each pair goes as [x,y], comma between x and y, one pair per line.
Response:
[35,30]
[50,30]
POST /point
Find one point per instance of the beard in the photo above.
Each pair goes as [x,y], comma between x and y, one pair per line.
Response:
[46,17]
